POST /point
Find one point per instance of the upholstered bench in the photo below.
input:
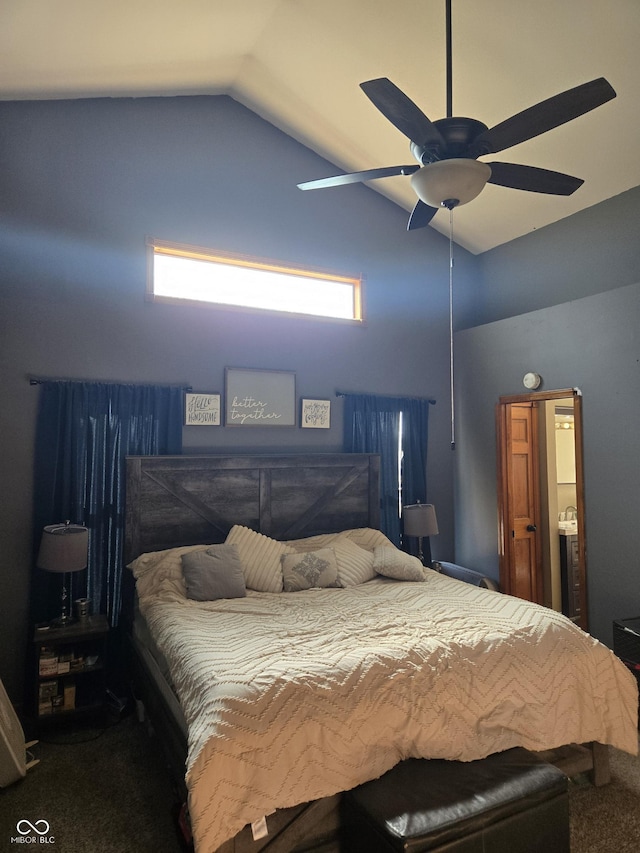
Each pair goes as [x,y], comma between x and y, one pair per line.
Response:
[510,802]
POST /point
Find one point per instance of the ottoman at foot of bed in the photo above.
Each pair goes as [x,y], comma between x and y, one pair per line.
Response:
[510,802]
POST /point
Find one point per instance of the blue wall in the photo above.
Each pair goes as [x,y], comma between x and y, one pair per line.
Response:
[592,343]
[82,183]
[595,250]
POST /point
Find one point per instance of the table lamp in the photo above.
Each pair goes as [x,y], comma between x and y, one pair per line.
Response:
[64,548]
[420,521]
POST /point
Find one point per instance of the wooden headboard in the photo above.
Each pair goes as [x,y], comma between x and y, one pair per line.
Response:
[193,500]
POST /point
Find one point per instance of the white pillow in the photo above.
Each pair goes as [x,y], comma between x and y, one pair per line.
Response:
[159,573]
[313,543]
[365,537]
[368,537]
[260,556]
[394,563]
[355,565]
[151,560]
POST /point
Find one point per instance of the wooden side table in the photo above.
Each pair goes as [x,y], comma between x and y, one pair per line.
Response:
[70,675]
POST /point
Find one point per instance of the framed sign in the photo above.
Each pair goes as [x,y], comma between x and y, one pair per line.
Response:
[202,409]
[316,414]
[260,398]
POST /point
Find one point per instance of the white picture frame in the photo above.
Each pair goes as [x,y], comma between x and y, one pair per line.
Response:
[316,414]
[201,409]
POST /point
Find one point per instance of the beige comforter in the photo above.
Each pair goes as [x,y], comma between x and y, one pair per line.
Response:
[294,696]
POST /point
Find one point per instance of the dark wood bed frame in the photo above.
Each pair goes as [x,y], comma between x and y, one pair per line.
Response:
[190,500]
[193,500]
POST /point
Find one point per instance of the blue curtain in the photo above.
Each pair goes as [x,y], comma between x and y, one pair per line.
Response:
[84,431]
[372,425]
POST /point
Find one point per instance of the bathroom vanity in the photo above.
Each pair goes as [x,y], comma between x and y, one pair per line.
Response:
[570,574]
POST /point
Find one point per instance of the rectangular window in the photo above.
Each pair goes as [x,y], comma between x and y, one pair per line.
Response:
[189,274]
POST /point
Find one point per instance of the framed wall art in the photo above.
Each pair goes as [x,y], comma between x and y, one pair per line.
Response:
[260,398]
[201,409]
[316,414]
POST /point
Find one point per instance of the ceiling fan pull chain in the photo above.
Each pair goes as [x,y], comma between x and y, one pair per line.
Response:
[451,383]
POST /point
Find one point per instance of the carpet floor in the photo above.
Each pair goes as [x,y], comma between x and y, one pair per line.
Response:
[100,790]
[106,791]
[607,819]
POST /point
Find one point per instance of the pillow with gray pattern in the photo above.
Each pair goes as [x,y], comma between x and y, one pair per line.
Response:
[309,570]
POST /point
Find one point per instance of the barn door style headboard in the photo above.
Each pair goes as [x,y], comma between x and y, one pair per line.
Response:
[193,500]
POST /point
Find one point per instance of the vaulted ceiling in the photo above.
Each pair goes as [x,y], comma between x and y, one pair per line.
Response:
[298,63]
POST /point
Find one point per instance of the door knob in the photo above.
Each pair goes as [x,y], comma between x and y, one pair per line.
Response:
[531,528]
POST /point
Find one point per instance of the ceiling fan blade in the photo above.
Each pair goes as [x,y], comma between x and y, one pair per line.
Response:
[533,179]
[358,177]
[421,215]
[403,113]
[543,117]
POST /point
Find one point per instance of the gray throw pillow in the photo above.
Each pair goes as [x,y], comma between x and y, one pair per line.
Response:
[214,573]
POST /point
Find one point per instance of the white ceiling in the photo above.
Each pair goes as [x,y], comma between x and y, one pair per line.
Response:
[298,63]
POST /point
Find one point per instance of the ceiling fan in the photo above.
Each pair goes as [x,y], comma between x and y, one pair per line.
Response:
[449,173]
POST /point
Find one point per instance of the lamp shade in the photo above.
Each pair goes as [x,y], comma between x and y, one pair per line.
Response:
[420,520]
[63,548]
[450,183]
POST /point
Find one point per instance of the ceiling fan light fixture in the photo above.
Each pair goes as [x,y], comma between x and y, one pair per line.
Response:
[450,183]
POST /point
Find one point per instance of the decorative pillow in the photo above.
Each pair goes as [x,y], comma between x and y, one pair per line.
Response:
[158,574]
[214,573]
[368,537]
[355,565]
[313,543]
[260,557]
[394,563]
[365,537]
[151,560]
[309,570]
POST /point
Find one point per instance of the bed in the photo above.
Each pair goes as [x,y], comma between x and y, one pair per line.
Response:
[277,701]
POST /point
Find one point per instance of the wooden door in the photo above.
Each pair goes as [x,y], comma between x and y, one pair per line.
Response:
[521,573]
[515,459]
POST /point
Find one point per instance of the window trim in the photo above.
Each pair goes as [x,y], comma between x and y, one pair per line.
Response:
[184,250]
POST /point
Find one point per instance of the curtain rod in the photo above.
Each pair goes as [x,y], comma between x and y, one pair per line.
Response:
[39,380]
[383,396]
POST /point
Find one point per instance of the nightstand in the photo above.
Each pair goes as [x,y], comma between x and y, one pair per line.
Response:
[70,675]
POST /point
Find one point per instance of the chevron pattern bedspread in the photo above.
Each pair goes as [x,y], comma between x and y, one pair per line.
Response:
[295,696]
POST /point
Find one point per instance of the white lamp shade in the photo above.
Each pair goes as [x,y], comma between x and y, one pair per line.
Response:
[450,183]
[420,520]
[63,548]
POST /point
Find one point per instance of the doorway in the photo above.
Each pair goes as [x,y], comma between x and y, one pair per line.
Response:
[541,531]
